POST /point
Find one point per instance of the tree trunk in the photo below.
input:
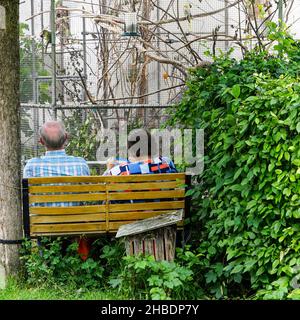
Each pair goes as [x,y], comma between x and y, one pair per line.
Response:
[145,34]
[10,208]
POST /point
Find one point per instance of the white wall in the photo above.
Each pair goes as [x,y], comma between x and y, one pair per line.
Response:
[294,19]
[202,25]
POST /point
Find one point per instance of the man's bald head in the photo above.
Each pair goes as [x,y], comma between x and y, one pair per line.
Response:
[53,135]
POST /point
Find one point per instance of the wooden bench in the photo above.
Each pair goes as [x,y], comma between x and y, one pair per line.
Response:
[99,204]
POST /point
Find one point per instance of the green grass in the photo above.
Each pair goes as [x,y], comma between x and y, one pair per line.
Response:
[16,290]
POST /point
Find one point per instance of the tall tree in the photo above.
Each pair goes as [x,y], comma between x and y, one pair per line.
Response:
[10,208]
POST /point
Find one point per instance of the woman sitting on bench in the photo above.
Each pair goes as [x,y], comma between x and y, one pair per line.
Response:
[141,158]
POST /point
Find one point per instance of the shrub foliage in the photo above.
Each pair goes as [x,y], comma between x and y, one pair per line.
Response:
[247,199]
[56,263]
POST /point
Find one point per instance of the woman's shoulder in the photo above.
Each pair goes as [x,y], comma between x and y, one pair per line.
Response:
[162,159]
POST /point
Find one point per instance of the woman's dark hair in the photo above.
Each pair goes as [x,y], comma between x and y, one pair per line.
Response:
[138,134]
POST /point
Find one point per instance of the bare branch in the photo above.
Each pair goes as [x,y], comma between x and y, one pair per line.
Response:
[144,95]
[160,59]
[200,15]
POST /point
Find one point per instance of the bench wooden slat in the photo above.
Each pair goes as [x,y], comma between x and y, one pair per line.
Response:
[65,233]
[79,229]
[146,195]
[77,179]
[124,207]
[144,186]
[106,179]
[67,210]
[150,205]
[135,215]
[130,216]
[67,198]
[146,177]
[67,188]
[68,227]
[67,218]
[110,187]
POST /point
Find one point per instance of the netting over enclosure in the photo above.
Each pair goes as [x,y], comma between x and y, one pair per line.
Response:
[75,52]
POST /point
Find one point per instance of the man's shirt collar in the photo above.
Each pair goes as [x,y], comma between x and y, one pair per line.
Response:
[55,153]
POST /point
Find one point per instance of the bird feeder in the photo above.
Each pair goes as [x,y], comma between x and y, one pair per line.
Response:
[2,18]
[131,27]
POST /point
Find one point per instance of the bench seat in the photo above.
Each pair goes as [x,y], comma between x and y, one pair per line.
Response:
[98,204]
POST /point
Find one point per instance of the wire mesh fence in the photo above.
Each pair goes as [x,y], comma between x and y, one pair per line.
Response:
[95,63]
[90,61]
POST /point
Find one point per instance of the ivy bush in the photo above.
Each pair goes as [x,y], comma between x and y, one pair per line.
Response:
[247,200]
[142,277]
[56,262]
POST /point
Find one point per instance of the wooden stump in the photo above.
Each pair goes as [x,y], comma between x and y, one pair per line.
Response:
[154,236]
[160,243]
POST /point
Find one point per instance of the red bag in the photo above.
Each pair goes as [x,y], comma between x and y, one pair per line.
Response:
[84,248]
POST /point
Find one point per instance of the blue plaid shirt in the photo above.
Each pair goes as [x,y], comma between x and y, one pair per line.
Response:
[56,163]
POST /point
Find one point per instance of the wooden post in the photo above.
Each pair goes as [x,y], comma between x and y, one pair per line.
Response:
[26,221]
[154,236]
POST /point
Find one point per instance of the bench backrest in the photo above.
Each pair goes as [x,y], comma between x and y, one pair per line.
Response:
[99,204]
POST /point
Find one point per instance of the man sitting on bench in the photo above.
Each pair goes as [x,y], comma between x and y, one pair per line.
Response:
[56,162]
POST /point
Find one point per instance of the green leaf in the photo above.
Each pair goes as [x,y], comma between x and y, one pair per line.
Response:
[237,174]
[115,282]
[140,265]
[271,166]
[260,271]
[190,192]
[296,162]
[249,264]
[236,90]
[294,295]
[212,250]
[237,269]
[231,254]
[251,204]
[211,277]
[287,156]
[273,115]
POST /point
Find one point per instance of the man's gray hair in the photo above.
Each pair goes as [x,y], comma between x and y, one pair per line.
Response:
[53,134]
